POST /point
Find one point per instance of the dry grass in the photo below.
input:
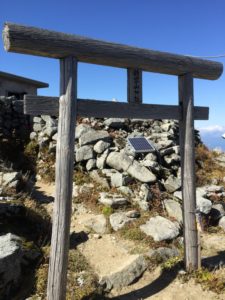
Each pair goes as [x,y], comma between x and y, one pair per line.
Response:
[209,280]
[46,166]
[132,231]
[82,283]
[207,168]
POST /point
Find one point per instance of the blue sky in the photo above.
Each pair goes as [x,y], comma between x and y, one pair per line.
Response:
[194,27]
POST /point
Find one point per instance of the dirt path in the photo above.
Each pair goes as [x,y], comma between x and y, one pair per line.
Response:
[107,253]
[157,286]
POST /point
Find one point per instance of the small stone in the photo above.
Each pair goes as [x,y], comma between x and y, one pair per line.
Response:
[214,189]
[125,190]
[54,137]
[114,122]
[145,193]
[38,120]
[133,214]
[182,272]
[46,118]
[101,161]
[151,156]
[84,153]
[173,209]
[120,179]
[97,236]
[97,224]
[222,223]
[118,220]
[91,164]
[101,146]
[50,130]
[172,184]
[33,136]
[112,200]
[37,127]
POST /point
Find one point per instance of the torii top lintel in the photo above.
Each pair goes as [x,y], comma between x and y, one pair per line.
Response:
[41,42]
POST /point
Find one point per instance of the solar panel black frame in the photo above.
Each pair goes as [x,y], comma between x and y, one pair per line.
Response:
[143,149]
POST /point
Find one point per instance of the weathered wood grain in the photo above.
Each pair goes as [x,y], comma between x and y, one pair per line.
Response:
[134,85]
[42,105]
[36,41]
[57,276]
[187,146]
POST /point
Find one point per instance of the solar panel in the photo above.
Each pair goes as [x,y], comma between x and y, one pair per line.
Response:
[140,145]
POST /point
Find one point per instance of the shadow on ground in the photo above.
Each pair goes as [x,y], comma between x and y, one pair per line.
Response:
[214,262]
[153,288]
[39,196]
[77,238]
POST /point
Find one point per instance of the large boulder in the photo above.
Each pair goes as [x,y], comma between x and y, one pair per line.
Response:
[84,153]
[11,256]
[141,173]
[122,162]
[93,136]
[162,254]
[173,209]
[82,129]
[119,161]
[172,184]
[10,177]
[160,228]
[129,272]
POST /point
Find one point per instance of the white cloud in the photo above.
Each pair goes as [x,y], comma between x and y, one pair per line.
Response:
[212,129]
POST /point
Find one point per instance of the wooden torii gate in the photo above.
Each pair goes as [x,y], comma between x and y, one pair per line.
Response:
[70,49]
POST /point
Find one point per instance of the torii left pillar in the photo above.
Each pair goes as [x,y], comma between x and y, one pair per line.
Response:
[64,180]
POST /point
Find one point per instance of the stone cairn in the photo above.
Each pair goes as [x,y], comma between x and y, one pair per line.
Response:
[101,149]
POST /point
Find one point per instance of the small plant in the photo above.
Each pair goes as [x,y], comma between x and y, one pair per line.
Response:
[107,211]
[211,280]
[171,263]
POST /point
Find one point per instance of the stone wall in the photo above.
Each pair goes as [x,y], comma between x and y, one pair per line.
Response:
[13,123]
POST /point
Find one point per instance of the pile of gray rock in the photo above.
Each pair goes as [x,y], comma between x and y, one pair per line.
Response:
[101,149]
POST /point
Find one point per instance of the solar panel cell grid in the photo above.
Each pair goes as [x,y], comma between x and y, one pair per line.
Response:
[140,144]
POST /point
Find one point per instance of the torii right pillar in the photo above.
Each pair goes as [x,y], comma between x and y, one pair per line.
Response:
[187,149]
